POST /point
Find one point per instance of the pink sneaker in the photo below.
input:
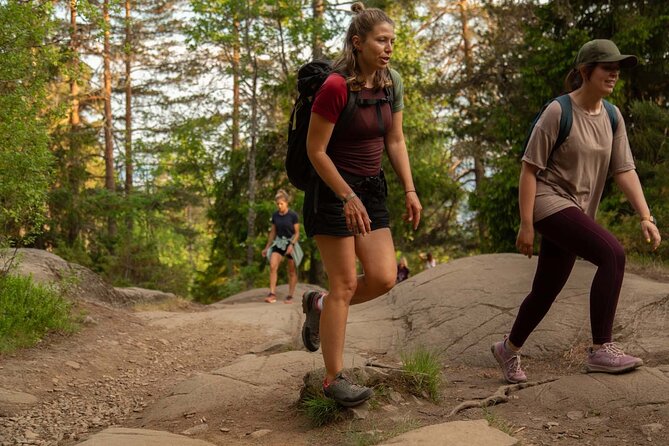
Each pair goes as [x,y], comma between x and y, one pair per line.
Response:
[509,362]
[609,358]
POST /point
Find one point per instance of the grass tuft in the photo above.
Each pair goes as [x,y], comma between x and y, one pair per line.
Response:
[321,410]
[422,372]
[29,310]
[497,422]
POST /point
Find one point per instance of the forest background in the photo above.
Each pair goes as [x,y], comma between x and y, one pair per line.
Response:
[146,139]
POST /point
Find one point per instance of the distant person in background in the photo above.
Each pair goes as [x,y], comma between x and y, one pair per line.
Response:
[283,242]
[560,190]
[430,261]
[402,270]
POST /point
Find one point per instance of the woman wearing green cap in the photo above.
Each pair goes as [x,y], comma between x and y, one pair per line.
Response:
[560,190]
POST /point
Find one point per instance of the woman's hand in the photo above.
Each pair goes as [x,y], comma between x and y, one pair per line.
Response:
[357,219]
[264,252]
[525,239]
[651,233]
[289,249]
[413,208]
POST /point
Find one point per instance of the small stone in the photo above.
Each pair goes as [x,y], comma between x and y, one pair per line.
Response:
[395,396]
[652,428]
[30,435]
[575,414]
[224,429]
[260,433]
[551,424]
[198,429]
[360,412]
[72,364]
[389,408]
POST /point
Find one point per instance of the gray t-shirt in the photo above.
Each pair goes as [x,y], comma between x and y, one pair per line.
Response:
[575,174]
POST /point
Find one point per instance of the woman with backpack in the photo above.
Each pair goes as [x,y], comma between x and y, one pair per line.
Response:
[345,206]
[559,195]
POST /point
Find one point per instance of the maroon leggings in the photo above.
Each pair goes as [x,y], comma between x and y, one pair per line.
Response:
[565,235]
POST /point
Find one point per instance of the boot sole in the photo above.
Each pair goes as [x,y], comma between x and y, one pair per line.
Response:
[612,370]
[305,331]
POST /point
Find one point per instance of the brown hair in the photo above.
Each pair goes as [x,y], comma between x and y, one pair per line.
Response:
[363,21]
[574,79]
[282,195]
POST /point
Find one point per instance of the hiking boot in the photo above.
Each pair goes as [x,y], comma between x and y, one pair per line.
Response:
[509,362]
[345,392]
[609,358]
[311,327]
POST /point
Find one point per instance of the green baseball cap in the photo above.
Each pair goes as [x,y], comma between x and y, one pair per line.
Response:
[602,50]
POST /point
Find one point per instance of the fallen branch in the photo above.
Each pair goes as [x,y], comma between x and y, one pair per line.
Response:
[500,396]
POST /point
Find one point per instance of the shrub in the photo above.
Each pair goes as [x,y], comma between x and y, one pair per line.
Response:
[29,310]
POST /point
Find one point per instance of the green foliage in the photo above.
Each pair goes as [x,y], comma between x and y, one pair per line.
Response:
[28,311]
[535,63]
[497,204]
[321,410]
[648,132]
[26,64]
[422,372]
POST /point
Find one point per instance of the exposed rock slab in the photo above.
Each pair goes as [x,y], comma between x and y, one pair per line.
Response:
[643,387]
[46,267]
[455,433]
[140,437]
[250,379]
[13,397]
[259,294]
[136,294]
[461,307]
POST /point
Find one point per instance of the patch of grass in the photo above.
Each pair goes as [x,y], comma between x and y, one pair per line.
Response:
[422,372]
[28,310]
[321,410]
[498,422]
[650,266]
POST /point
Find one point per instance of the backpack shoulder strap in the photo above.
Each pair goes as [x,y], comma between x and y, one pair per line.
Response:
[347,113]
[613,116]
[566,120]
[391,93]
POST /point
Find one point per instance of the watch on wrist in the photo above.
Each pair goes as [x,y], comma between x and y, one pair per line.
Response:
[650,218]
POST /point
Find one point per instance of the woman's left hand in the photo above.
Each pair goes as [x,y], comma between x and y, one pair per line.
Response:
[414,209]
[651,233]
[289,249]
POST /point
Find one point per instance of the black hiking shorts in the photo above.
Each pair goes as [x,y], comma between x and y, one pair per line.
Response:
[323,211]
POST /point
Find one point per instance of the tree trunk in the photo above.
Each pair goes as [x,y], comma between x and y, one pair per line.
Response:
[479,165]
[109,143]
[318,8]
[251,217]
[74,153]
[128,107]
[235,86]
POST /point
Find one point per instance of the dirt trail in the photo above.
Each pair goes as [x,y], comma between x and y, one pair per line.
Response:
[107,373]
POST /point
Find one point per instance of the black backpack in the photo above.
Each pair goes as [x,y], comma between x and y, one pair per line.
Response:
[566,120]
[310,77]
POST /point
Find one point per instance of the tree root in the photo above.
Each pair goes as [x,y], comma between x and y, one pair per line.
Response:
[500,396]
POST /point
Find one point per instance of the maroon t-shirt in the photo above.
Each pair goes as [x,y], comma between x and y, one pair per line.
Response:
[358,148]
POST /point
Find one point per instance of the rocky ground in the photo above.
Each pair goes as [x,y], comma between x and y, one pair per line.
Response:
[231,373]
